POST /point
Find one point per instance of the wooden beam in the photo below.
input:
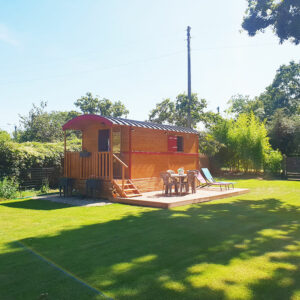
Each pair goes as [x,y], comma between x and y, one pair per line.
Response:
[111,175]
[130,151]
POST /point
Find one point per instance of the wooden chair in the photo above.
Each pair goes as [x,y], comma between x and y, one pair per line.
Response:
[168,183]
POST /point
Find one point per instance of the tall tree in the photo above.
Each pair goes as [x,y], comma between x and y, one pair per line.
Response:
[176,112]
[89,104]
[284,92]
[282,16]
[239,104]
[42,126]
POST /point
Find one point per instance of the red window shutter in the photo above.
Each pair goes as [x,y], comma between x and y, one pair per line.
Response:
[172,143]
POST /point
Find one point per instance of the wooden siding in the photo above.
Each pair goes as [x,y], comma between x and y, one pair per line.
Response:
[151,165]
[149,140]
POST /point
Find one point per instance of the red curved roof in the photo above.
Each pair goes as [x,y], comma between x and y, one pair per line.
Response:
[78,122]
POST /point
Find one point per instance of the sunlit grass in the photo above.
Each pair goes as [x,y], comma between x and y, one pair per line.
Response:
[246,247]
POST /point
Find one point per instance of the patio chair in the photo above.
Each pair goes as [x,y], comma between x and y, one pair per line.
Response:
[211,181]
[168,183]
[201,182]
[191,181]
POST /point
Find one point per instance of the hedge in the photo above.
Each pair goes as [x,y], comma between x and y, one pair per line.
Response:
[18,157]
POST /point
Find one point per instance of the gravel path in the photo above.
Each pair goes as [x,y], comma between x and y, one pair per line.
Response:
[75,201]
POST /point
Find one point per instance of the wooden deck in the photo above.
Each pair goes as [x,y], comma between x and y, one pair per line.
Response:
[159,200]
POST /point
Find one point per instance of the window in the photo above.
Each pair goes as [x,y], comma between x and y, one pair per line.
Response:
[175,143]
[180,143]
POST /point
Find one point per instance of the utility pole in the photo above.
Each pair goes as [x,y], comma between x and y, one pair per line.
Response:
[189,77]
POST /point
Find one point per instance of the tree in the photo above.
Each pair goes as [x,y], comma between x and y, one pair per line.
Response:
[88,104]
[41,126]
[244,104]
[282,16]
[245,144]
[284,92]
[284,133]
[176,113]
[93,105]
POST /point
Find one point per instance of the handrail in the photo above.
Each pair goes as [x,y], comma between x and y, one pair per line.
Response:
[120,161]
[123,171]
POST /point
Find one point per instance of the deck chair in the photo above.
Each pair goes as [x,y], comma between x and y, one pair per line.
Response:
[211,181]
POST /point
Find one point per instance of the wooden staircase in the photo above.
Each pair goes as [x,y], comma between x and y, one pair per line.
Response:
[129,190]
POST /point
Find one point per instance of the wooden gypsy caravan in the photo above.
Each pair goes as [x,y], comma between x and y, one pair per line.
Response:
[127,156]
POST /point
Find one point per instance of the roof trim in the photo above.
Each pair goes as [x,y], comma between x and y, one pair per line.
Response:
[76,123]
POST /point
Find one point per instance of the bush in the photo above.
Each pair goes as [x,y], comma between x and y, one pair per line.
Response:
[273,162]
[8,188]
[16,158]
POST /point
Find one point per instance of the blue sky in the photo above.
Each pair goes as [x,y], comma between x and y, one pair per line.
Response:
[133,51]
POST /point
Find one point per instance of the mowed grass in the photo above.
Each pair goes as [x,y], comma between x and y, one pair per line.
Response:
[246,247]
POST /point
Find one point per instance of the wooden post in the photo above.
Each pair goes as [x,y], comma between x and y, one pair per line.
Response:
[111,177]
[123,175]
[65,155]
[130,150]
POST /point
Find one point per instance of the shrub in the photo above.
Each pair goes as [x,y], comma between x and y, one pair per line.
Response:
[45,187]
[273,161]
[8,188]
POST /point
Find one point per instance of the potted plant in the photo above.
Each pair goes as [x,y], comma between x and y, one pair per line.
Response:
[85,153]
[180,171]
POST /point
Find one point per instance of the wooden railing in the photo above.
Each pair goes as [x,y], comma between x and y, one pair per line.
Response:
[97,165]
[123,169]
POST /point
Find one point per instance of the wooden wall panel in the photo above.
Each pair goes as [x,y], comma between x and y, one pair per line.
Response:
[149,140]
[147,165]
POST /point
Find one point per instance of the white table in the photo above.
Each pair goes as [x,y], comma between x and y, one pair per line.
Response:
[181,178]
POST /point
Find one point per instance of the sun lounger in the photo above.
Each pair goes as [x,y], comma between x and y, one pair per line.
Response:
[211,181]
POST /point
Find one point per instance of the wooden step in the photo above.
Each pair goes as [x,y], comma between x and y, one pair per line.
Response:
[133,195]
[128,191]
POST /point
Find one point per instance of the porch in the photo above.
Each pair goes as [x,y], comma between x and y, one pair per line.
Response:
[159,200]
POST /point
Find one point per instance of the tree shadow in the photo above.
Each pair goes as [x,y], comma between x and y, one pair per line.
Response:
[35,204]
[237,250]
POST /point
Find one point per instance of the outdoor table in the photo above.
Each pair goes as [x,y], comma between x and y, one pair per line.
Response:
[181,178]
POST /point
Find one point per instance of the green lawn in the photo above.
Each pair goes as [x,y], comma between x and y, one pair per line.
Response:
[246,247]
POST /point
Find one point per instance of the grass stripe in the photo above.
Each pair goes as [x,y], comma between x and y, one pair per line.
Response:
[62,270]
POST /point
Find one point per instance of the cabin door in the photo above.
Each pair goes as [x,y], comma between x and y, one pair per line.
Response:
[103,140]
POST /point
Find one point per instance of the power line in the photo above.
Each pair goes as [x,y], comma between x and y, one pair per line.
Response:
[99,69]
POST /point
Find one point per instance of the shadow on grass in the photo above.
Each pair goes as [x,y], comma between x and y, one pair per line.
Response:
[35,204]
[237,250]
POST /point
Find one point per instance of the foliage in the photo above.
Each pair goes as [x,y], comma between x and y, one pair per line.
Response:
[8,188]
[282,16]
[93,105]
[176,113]
[41,126]
[284,92]
[273,162]
[239,104]
[284,133]
[246,143]
[279,104]
[45,187]
[18,157]
[4,136]
[208,144]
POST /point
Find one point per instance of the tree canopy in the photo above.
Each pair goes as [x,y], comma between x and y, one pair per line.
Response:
[89,104]
[279,105]
[176,112]
[282,16]
[42,126]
